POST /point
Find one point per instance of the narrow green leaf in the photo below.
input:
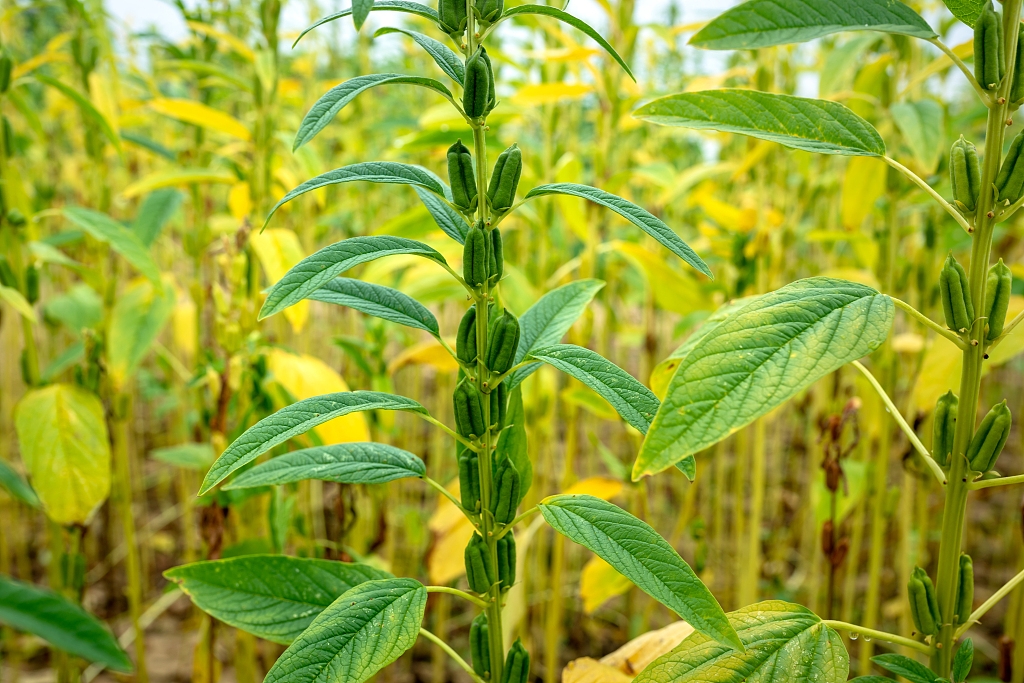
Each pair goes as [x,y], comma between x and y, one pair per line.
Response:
[316,271]
[380,5]
[921,123]
[67,359]
[19,489]
[688,466]
[274,597]
[963,661]
[443,56]
[296,419]
[360,11]
[636,215]
[575,23]
[335,99]
[86,107]
[363,631]
[77,309]
[784,643]
[188,456]
[379,301]
[513,441]
[122,240]
[547,321]
[966,11]
[345,463]
[447,218]
[634,402]
[910,669]
[59,622]
[387,172]
[19,303]
[156,210]
[47,253]
[806,124]
[759,357]
[640,554]
[763,23]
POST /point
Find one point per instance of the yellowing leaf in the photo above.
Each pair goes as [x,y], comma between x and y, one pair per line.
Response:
[859,275]
[174,178]
[634,656]
[184,327]
[538,94]
[240,201]
[582,397]
[604,488]
[62,432]
[304,377]
[863,184]
[674,290]
[726,215]
[199,114]
[232,41]
[278,249]
[589,670]
[19,303]
[138,316]
[452,532]
[599,583]
[908,342]
[429,352]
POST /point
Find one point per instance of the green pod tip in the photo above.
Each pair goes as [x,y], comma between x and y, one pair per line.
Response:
[989,439]
[989,58]
[462,176]
[997,299]
[954,292]
[965,175]
[944,427]
[478,91]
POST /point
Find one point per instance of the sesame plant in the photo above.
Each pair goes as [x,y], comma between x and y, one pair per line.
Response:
[754,357]
[344,621]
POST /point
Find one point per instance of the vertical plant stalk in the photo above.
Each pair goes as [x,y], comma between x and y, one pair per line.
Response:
[955,508]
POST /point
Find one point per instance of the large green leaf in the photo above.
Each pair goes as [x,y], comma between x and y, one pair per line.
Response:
[634,402]
[139,314]
[275,597]
[379,301]
[810,125]
[363,631]
[921,123]
[636,215]
[640,554]
[905,667]
[784,643]
[759,357]
[762,23]
[121,239]
[387,172]
[360,10]
[380,5]
[296,419]
[156,210]
[447,218]
[62,432]
[443,56]
[547,11]
[966,11]
[19,489]
[317,270]
[345,463]
[547,321]
[59,622]
[335,99]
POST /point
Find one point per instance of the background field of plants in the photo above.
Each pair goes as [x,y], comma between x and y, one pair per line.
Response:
[136,172]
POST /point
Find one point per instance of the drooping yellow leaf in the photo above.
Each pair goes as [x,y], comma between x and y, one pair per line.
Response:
[304,377]
[232,41]
[278,249]
[240,201]
[175,177]
[604,488]
[537,94]
[199,114]
[452,532]
[428,352]
[863,184]
[62,433]
[634,656]
[589,670]
[599,583]
[674,289]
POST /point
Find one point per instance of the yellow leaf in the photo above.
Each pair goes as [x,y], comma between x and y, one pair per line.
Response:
[41,59]
[752,158]
[863,184]
[599,583]
[304,377]
[674,290]
[599,487]
[861,276]
[726,215]
[234,42]
[174,178]
[199,114]
[278,249]
[908,342]
[588,670]
[634,656]
[582,397]
[538,94]
[240,201]
[19,303]
[452,532]
[183,327]
[429,352]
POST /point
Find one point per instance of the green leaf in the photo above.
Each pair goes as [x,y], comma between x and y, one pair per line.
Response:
[19,303]
[363,631]
[77,309]
[636,215]
[447,218]
[122,240]
[47,253]
[380,5]
[335,99]
[640,554]
[138,316]
[387,172]
[19,489]
[188,456]
[910,669]
[762,23]
[922,126]
[784,643]
[156,210]
[634,402]
[966,11]
[963,661]
[62,432]
[513,441]
[759,357]
[86,107]
[274,597]
[59,622]
[688,466]
[316,271]
[379,301]
[360,11]
[443,56]
[547,321]
[806,124]
[870,679]
[296,419]
[65,360]
[575,23]
[345,463]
